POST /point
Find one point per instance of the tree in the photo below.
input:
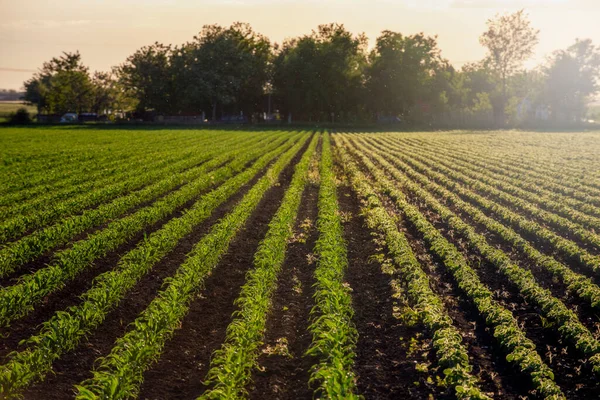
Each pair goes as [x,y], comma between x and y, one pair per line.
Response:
[406,71]
[148,77]
[572,78]
[69,91]
[63,84]
[224,67]
[321,75]
[510,41]
[109,94]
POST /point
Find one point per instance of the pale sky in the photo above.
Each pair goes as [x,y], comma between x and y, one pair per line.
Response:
[107,31]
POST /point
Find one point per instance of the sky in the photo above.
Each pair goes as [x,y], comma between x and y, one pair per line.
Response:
[107,31]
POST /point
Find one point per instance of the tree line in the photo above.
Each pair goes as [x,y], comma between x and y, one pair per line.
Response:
[331,75]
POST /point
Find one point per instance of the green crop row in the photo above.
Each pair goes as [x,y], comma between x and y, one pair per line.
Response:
[562,245]
[19,299]
[526,180]
[233,364]
[40,196]
[15,254]
[51,176]
[334,335]
[526,200]
[543,153]
[562,319]
[119,374]
[451,352]
[65,329]
[578,284]
[505,328]
[565,175]
[130,180]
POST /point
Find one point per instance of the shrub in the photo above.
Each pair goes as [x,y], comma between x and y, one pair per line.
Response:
[21,117]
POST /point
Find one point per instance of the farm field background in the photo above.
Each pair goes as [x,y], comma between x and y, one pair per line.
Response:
[7,108]
[182,264]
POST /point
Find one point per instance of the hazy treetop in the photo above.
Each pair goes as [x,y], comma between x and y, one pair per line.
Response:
[46,30]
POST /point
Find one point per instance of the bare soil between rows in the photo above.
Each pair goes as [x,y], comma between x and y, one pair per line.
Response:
[185,360]
[75,366]
[284,368]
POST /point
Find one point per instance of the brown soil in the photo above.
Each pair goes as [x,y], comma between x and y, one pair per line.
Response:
[496,375]
[75,366]
[586,313]
[285,376]
[69,295]
[571,373]
[384,367]
[185,359]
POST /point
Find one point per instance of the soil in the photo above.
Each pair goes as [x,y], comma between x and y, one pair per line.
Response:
[75,366]
[284,374]
[185,359]
[572,374]
[394,358]
[384,367]
[497,376]
[69,295]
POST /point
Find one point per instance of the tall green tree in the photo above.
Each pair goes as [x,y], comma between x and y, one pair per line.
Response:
[148,77]
[63,84]
[109,94]
[510,40]
[407,75]
[224,67]
[321,75]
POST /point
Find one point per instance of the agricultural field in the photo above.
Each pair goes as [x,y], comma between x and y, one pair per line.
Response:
[10,107]
[279,264]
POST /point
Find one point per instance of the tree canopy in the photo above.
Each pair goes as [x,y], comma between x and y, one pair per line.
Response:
[328,75]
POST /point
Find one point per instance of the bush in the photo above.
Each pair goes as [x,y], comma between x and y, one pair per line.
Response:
[21,117]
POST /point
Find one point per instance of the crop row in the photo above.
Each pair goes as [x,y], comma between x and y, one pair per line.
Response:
[535,167]
[119,374]
[561,318]
[233,364]
[578,284]
[45,175]
[15,254]
[334,335]
[26,201]
[451,352]
[19,299]
[567,247]
[131,180]
[65,329]
[581,212]
[505,328]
